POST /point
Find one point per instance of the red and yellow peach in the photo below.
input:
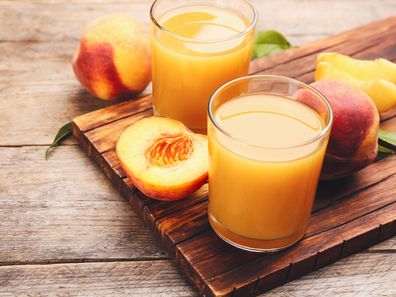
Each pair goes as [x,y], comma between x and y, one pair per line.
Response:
[113,60]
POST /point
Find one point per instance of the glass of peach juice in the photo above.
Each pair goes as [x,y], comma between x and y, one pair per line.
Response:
[196,47]
[267,140]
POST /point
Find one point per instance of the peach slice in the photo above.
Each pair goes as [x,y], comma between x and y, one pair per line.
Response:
[381,91]
[162,158]
[365,70]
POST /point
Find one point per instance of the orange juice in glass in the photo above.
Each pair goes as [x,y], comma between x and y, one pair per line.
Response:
[196,47]
[267,140]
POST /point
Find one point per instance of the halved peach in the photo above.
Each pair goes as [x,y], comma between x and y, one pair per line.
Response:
[162,158]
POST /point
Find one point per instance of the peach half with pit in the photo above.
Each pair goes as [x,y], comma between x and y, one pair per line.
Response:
[162,158]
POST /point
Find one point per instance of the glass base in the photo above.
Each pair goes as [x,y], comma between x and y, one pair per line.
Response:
[254,245]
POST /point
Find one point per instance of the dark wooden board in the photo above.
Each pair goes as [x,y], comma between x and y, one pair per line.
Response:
[349,215]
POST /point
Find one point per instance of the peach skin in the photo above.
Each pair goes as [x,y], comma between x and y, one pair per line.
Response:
[354,135]
[381,91]
[113,60]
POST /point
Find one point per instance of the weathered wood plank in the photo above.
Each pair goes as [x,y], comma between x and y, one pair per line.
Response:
[67,19]
[220,258]
[244,278]
[143,278]
[192,216]
[38,84]
[366,47]
[64,210]
[369,274]
[50,100]
[380,27]
[40,77]
[105,137]
[112,113]
[208,245]
[358,215]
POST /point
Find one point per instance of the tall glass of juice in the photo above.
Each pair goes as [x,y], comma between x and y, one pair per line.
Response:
[267,140]
[197,45]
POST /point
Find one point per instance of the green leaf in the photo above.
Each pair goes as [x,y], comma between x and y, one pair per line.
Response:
[64,132]
[386,141]
[269,42]
[384,150]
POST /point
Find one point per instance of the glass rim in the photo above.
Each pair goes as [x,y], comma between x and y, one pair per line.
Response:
[192,40]
[317,137]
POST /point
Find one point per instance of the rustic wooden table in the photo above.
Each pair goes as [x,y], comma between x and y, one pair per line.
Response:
[63,229]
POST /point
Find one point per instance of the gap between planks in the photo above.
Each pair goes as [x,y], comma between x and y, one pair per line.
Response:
[139,259]
[82,260]
[36,145]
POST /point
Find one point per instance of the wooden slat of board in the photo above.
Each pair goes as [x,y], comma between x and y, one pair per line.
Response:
[330,192]
[217,268]
[207,245]
[111,157]
[246,275]
[307,64]
[162,209]
[370,30]
[112,113]
[373,178]
[105,137]
[375,197]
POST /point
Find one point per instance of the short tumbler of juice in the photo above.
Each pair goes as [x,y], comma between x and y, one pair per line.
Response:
[197,45]
[267,140]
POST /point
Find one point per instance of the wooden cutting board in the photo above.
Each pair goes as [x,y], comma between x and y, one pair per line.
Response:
[349,215]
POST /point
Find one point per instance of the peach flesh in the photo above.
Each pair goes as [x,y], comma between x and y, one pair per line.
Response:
[163,159]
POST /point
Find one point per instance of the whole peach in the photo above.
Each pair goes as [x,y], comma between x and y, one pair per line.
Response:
[354,135]
[113,60]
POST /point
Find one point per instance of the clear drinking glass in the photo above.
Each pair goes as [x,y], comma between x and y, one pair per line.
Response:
[267,140]
[197,45]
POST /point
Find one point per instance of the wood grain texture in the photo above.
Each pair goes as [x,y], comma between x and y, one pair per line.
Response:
[38,86]
[68,18]
[141,278]
[365,272]
[38,82]
[49,215]
[370,276]
[349,215]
